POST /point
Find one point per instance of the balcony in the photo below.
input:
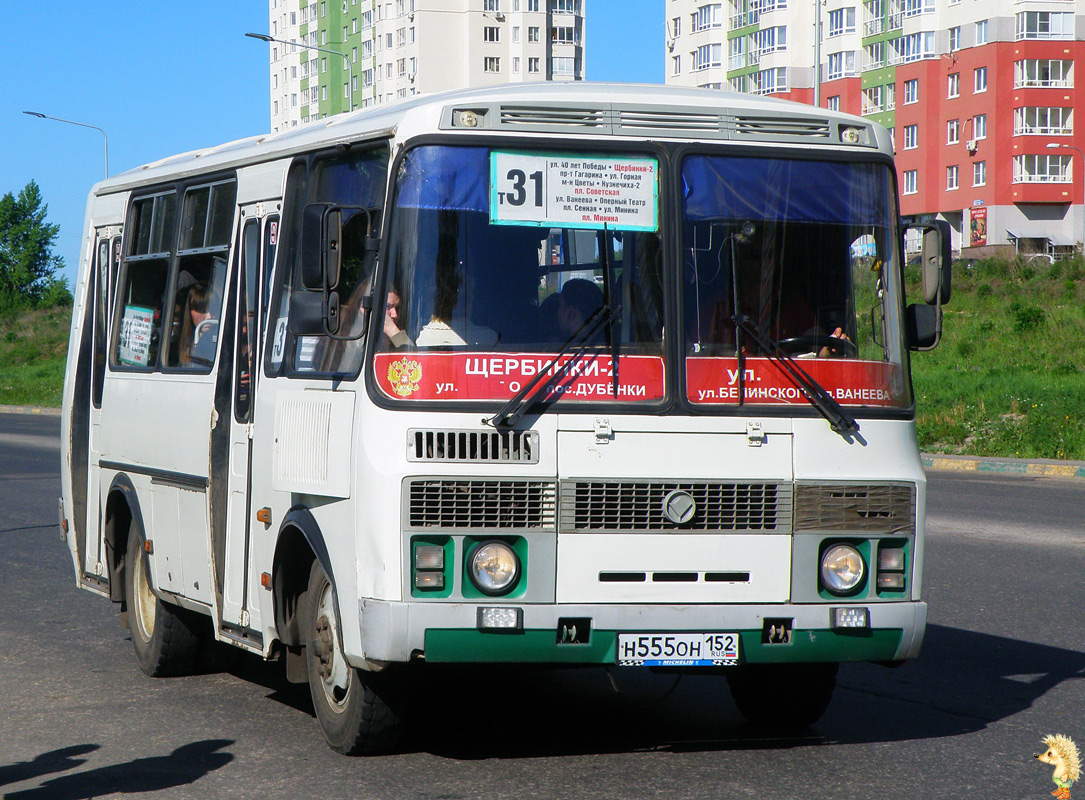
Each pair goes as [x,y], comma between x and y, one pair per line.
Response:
[874,27]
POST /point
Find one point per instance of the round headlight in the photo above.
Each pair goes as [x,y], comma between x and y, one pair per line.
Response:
[494,567]
[842,569]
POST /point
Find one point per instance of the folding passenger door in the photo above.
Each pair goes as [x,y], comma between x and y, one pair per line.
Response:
[258,237]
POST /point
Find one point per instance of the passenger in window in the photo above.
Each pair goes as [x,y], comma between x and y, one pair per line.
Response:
[578,301]
[451,323]
[199,331]
[396,336]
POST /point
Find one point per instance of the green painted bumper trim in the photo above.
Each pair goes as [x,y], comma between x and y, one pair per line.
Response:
[447,645]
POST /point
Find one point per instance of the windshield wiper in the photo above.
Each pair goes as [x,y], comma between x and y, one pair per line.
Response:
[840,420]
[524,399]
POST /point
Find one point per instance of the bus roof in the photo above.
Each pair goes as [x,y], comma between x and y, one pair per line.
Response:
[581,109]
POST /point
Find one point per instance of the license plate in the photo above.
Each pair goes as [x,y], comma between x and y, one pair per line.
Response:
[678,649]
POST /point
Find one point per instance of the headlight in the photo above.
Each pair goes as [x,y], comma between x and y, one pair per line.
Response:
[842,568]
[493,567]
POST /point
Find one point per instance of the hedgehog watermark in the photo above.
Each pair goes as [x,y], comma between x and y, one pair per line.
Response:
[1063,755]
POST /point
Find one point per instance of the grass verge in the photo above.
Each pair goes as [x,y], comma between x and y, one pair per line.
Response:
[33,347]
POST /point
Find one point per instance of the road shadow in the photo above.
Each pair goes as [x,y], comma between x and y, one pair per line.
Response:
[46,764]
[963,682]
[183,766]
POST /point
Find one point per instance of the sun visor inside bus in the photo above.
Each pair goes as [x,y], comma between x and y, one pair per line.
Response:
[717,187]
[445,178]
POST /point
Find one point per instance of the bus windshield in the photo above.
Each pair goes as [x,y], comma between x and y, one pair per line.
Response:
[808,252]
[480,301]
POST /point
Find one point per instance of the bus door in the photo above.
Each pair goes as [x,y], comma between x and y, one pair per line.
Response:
[259,236]
[86,438]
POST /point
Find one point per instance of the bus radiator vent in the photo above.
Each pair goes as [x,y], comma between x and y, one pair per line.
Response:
[473,447]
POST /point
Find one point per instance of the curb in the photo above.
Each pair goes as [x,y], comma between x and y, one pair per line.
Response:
[45,412]
[1046,468]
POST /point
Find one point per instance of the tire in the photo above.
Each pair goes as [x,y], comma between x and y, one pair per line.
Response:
[165,637]
[782,696]
[354,719]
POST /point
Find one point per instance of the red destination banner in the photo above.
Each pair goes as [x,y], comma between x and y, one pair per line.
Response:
[851,382]
[499,376]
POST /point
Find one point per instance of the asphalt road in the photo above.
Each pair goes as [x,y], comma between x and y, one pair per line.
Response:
[1003,664]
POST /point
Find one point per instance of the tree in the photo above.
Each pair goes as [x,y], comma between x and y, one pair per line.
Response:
[28,266]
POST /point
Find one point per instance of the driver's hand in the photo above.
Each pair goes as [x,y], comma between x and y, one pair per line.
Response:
[390,327]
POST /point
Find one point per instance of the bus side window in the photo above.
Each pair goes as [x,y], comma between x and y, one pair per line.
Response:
[200,282]
[142,287]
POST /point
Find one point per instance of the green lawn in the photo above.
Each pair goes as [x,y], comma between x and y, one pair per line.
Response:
[33,346]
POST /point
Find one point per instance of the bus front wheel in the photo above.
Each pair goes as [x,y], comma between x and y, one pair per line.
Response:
[782,696]
[354,719]
[164,636]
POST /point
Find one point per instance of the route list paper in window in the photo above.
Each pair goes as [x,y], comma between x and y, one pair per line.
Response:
[574,191]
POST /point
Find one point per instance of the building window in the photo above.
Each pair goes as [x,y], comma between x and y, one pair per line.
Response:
[707,55]
[1043,121]
[953,85]
[565,35]
[955,39]
[1044,25]
[516,34]
[953,131]
[952,177]
[911,91]
[979,126]
[565,6]
[676,65]
[770,81]
[911,137]
[915,7]
[676,27]
[980,82]
[768,40]
[707,16]
[914,47]
[515,65]
[911,181]
[562,65]
[840,65]
[532,5]
[490,34]
[841,21]
[533,65]
[981,32]
[1041,169]
[491,5]
[492,64]
[874,55]
[873,100]
[979,173]
[1043,72]
[833,103]
[533,33]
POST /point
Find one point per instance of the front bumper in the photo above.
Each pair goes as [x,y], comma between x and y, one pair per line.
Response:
[448,633]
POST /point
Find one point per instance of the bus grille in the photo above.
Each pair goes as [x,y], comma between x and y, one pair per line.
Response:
[466,446]
[480,504]
[867,507]
[626,506]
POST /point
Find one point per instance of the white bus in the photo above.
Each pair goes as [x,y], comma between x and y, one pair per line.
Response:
[538,374]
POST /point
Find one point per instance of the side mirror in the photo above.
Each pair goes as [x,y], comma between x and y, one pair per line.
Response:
[311,314]
[922,326]
[321,235]
[936,258]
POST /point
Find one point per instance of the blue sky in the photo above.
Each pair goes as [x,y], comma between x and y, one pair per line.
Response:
[163,78]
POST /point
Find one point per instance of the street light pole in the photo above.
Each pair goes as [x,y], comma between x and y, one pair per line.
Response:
[39,115]
[263,37]
[1056,146]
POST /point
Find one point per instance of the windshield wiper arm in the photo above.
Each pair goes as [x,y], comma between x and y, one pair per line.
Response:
[524,399]
[839,420]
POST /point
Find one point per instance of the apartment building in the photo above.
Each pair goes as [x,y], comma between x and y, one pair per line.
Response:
[334,55]
[979,95]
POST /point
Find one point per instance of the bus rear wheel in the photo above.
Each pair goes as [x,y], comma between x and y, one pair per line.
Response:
[782,696]
[164,636]
[354,719]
